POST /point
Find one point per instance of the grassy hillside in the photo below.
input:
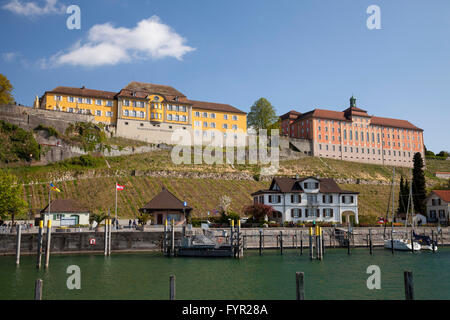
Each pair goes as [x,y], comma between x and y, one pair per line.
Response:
[97,191]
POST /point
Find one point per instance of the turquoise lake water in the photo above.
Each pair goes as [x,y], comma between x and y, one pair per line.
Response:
[271,276]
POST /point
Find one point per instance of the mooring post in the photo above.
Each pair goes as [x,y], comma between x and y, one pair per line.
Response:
[47,249]
[18,243]
[239,238]
[301,243]
[311,252]
[260,242]
[39,247]
[106,237]
[412,242]
[409,285]
[432,241]
[233,249]
[173,239]
[281,242]
[370,241]
[165,238]
[323,242]
[38,290]
[300,285]
[392,242]
[172,287]
[110,227]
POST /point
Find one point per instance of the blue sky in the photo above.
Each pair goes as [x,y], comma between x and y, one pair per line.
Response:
[298,54]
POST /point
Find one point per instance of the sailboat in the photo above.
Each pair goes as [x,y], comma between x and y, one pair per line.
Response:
[398,244]
[424,241]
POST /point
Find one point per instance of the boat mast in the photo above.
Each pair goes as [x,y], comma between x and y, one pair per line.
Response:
[393,196]
[412,202]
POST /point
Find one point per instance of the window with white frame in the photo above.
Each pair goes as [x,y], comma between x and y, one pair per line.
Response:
[98,102]
[205,115]
[197,113]
[109,113]
[70,109]
[126,103]
[141,114]
[197,123]
[98,113]
[225,126]
[213,116]
[71,99]
[235,118]
[234,127]
[169,117]
[212,125]
[126,113]
[205,124]
[58,98]
[80,100]
[133,113]
[177,117]
[183,118]
[109,103]
[225,117]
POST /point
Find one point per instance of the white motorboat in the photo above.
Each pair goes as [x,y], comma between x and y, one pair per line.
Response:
[401,245]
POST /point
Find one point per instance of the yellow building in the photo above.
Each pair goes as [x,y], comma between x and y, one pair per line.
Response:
[101,104]
[149,112]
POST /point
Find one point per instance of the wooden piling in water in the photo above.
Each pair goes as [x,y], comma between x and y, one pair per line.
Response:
[281,242]
[300,285]
[172,287]
[172,250]
[48,246]
[106,237]
[165,238]
[110,227]
[409,285]
[260,242]
[432,241]
[18,243]
[38,290]
[392,242]
[301,243]
[412,242]
[39,246]
[311,249]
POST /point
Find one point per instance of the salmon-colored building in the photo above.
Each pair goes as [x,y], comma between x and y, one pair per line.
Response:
[354,135]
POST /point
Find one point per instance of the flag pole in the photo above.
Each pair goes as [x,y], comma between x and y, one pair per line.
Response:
[49,199]
[116,203]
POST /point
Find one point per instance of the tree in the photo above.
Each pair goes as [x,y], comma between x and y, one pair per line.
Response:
[143,218]
[262,115]
[5,90]
[443,154]
[11,202]
[258,211]
[224,204]
[418,184]
[403,196]
[98,218]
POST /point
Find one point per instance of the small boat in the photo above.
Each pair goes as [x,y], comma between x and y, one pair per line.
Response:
[401,245]
[425,242]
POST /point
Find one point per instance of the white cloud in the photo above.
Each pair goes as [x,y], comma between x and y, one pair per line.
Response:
[10,56]
[108,45]
[33,8]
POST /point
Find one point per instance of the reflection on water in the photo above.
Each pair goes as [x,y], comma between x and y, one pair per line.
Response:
[272,276]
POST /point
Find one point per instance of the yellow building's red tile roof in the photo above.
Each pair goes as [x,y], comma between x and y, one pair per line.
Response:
[214,106]
[84,92]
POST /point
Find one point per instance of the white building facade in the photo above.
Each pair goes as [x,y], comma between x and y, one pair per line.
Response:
[438,207]
[308,199]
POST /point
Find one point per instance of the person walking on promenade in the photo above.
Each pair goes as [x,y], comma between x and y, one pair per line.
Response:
[129,223]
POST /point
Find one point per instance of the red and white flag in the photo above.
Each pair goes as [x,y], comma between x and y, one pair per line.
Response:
[119,187]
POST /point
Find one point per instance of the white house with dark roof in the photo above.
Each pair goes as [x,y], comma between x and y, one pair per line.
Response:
[308,199]
[438,207]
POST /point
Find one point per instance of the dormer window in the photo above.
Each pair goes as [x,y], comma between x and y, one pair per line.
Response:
[276,187]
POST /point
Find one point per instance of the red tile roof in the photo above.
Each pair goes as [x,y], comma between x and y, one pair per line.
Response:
[65,205]
[83,92]
[142,90]
[340,115]
[214,106]
[443,194]
[165,200]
